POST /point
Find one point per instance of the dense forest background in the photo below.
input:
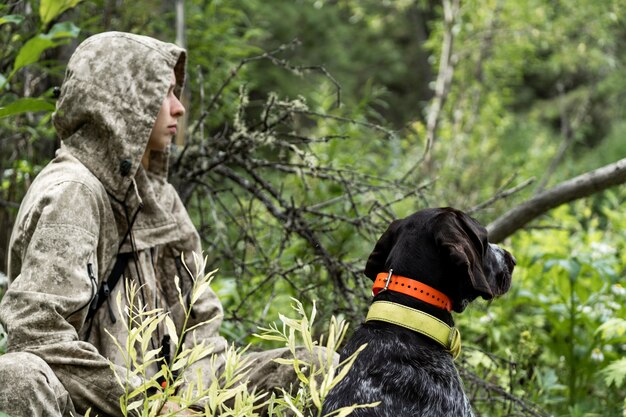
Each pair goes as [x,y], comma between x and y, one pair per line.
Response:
[311,124]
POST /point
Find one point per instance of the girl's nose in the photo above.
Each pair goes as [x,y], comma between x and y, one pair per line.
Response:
[177,108]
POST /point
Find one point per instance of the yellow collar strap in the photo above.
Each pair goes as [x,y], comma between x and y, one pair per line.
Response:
[418,321]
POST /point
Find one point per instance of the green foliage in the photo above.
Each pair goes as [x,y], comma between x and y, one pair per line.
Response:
[320,380]
[561,325]
[32,49]
[529,77]
[214,56]
[24,105]
[3,341]
[50,9]
[615,373]
[613,331]
[11,18]
[27,76]
[227,394]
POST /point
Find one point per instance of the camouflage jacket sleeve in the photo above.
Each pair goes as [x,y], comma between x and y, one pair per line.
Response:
[58,248]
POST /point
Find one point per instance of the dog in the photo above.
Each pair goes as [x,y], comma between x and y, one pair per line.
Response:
[424,267]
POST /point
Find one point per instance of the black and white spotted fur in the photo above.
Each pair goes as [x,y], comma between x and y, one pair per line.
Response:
[410,374]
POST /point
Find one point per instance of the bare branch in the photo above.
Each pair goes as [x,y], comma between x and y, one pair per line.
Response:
[501,194]
[387,132]
[442,84]
[578,187]
[288,215]
[9,204]
[498,394]
[272,56]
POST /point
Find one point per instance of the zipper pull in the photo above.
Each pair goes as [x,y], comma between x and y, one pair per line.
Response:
[94,300]
[107,291]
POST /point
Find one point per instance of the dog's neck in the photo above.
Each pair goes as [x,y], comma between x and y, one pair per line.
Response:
[416,304]
[418,322]
[425,298]
[426,312]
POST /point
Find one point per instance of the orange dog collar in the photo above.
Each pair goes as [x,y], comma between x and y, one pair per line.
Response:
[388,281]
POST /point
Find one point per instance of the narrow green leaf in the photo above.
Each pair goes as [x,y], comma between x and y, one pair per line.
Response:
[180,363]
[346,365]
[34,47]
[134,405]
[198,292]
[50,9]
[283,361]
[151,354]
[25,105]
[11,18]
[31,51]
[346,411]
[63,30]
[293,408]
[270,337]
[315,393]
[171,330]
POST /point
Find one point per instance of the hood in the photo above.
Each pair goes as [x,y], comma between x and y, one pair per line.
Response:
[114,86]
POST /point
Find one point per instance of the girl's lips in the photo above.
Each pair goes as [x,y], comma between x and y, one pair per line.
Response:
[172,129]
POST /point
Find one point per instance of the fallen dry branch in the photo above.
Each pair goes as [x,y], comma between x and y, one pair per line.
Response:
[573,189]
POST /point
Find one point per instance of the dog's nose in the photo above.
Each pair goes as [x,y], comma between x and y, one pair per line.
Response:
[504,255]
[510,260]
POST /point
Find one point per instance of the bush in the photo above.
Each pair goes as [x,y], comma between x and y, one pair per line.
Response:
[226,394]
[557,338]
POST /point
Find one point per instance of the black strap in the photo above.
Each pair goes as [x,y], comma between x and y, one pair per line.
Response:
[108,285]
[166,379]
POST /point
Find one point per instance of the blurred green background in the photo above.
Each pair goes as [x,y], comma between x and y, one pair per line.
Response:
[312,124]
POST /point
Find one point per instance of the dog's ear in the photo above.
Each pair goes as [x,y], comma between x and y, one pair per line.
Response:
[461,238]
[377,259]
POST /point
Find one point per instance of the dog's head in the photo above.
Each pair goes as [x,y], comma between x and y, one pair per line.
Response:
[446,249]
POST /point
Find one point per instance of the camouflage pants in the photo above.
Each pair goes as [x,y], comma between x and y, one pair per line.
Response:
[29,388]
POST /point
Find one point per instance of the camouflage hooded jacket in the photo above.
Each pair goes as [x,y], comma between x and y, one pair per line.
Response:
[91,202]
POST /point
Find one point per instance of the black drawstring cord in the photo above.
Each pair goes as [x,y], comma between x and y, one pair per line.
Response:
[129,235]
[93,299]
[130,224]
[135,252]
[118,270]
[107,291]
